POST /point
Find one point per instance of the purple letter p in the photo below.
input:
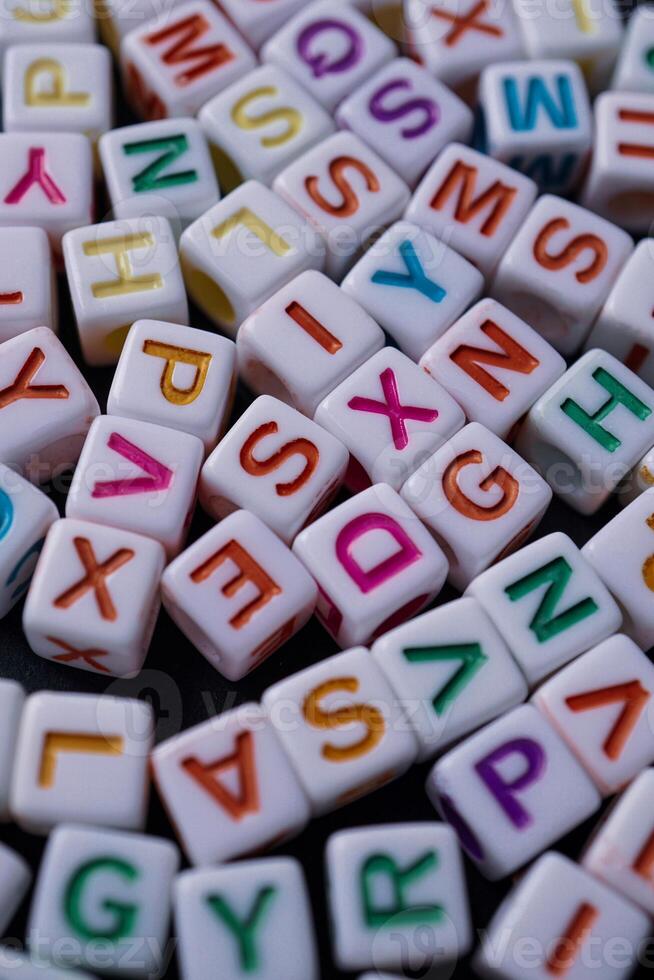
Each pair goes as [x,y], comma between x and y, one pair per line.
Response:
[505,792]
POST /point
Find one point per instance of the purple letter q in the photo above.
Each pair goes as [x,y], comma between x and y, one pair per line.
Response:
[319,63]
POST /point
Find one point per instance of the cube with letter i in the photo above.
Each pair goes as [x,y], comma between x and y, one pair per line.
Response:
[548,603]
[511,790]
[28,295]
[94,600]
[589,429]
[82,758]
[129,877]
[171,65]
[397,897]
[634,71]
[374,562]
[560,921]
[276,463]
[53,24]
[342,728]
[479,498]
[228,787]
[238,593]
[559,269]
[251,917]
[118,272]
[474,203]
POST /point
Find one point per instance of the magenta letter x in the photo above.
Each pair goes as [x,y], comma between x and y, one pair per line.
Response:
[396,412]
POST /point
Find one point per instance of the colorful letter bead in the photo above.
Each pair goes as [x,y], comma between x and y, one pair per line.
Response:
[375,564]
[397,897]
[495,366]
[474,203]
[548,604]
[25,517]
[46,181]
[28,296]
[406,116]
[305,340]
[275,463]
[329,51]
[479,499]
[173,64]
[559,269]
[537,119]
[342,728]
[24,23]
[451,671]
[619,184]
[414,285]
[634,71]
[228,787]
[103,899]
[391,416]
[621,851]
[12,698]
[119,272]
[347,192]
[589,429]
[237,619]
[260,124]
[237,254]
[161,168]
[57,88]
[511,790]
[82,758]
[94,599]
[251,917]
[559,921]
[175,376]
[46,406]
[137,476]
[15,879]
[602,705]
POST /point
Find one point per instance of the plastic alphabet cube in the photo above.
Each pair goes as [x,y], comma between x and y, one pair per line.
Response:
[619,184]
[342,728]
[347,192]
[116,18]
[414,285]
[305,340]
[634,71]
[47,182]
[251,917]
[260,124]
[173,64]
[46,406]
[602,705]
[589,429]
[237,254]
[407,116]
[15,879]
[537,119]
[103,899]
[25,23]
[494,365]
[397,897]
[238,594]
[559,269]
[548,603]
[26,514]
[510,791]
[479,498]
[375,564]
[28,295]
[159,168]
[228,787]
[330,51]
[137,476]
[277,464]
[391,416]
[175,376]
[58,88]
[82,758]
[12,699]
[472,202]
[94,600]
[119,272]
[621,850]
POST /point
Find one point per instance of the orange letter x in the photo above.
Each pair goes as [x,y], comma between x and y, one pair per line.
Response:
[95,578]
[468,22]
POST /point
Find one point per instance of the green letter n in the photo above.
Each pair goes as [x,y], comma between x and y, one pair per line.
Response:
[149,178]
[471,657]
[545,624]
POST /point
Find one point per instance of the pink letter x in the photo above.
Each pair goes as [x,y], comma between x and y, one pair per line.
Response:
[396,412]
[36,174]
